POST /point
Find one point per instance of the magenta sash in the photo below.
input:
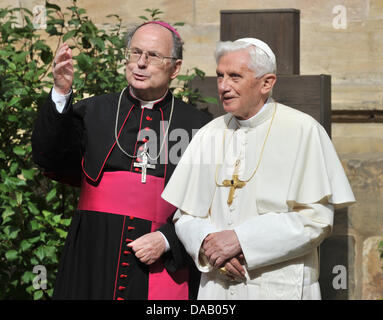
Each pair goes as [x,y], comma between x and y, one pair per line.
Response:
[123,193]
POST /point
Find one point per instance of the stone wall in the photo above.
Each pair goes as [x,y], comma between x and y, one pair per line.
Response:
[342,38]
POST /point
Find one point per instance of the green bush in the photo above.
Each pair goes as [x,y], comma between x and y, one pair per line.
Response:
[35,211]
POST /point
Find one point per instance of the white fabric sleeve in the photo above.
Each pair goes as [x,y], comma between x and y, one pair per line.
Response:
[166,242]
[272,237]
[192,231]
[60,100]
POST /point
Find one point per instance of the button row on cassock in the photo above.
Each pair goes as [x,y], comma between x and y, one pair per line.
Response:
[125,264]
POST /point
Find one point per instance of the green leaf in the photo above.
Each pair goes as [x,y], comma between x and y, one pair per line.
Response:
[57,218]
[210,100]
[2,155]
[34,226]
[20,57]
[51,195]
[50,293]
[28,174]
[199,72]
[25,245]
[19,198]
[7,213]
[14,233]
[84,62]
[27,277]
[19,151]
[46,214]
[52,30]
[11,255]
[11,232]
[52,6]
[34,239]
[66,222]
[29,290]
[14,101]
[46,56]
[99,43]
[33,209]
[50,252]
[62,233]
[37,295]
[14,168]
[69,35]
[12,118]
[40,253]
[182,77]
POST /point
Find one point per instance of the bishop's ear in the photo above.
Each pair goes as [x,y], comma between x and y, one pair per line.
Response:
[176,67]
[269,80]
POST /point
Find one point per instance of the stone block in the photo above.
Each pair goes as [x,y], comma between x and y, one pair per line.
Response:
[129,11]
[376,9]
[365,173]
[207,11]
[372,270]
[200,43]
[357,138]
[359,87]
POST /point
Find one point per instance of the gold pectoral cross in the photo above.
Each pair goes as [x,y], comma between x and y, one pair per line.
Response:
[234,183]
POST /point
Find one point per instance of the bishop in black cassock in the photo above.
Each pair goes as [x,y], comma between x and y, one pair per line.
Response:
[115,208]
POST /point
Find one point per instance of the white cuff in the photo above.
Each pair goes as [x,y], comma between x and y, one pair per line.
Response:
[60,100]
[166,242]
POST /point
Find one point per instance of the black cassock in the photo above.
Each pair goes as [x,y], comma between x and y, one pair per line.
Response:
[79,147]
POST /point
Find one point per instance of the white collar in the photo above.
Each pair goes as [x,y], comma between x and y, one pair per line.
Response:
[263,114]
[144,103]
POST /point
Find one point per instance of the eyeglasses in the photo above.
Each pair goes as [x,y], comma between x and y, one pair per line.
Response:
[152,57]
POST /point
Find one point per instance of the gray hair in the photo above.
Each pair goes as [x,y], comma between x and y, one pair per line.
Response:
[260,62]
[177,42]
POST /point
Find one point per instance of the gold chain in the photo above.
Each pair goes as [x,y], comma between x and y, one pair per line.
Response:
[260,156]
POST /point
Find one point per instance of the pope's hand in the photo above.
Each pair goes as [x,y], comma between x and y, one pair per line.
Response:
[234,268]
[63,71]
[221,246]
[149,247]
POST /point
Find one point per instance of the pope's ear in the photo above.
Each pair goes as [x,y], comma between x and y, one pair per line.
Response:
[176,68]
[268,82]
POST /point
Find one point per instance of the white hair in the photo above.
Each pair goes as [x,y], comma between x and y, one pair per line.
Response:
[260,62]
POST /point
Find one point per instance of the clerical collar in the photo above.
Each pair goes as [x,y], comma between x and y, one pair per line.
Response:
[146,104]
[262,115]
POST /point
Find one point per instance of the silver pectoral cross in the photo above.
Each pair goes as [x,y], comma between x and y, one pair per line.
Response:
[144,164]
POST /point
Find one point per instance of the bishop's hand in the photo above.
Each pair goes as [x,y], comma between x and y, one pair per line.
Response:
[221,246]
[149,247]
[63,71]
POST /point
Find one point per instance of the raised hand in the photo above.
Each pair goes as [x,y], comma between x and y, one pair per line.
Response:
[63,69]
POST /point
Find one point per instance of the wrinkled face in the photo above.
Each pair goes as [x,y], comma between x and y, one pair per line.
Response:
[150,81]
[239,91]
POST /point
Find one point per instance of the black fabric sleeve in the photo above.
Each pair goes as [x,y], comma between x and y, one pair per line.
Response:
[176,257]
[56,142]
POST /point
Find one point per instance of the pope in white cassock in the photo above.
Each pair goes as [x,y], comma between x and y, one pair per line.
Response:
[257,187]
